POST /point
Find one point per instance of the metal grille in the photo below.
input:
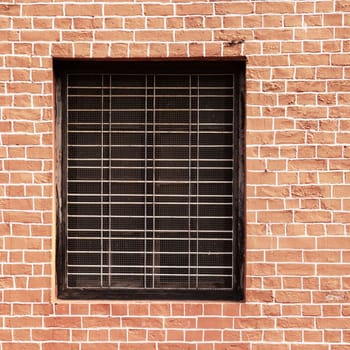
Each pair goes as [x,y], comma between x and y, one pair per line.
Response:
[149,182]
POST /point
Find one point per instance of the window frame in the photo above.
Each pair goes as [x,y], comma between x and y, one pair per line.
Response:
[236,66]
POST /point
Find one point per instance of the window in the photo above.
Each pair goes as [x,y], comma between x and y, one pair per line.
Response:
[150,179]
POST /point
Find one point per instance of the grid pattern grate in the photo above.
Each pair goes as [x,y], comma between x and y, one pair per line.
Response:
[149,186]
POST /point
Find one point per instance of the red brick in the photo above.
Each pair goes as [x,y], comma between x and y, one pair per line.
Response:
[22,295]
[42,10]
[293,297]
[233,8]
[194,9]
[275,7]
[158,10]
[150,322]
[256,323]
[58,346]
[122,10]
[10,10]
[98,346]
[23,346]
[131,346]
[62,322]
[215,322]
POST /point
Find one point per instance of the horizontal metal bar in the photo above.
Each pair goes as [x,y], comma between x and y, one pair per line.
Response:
[156,181]
[146,266]
[156,96]
[156,146]
[138,252]
[158,132]
[155,230]
[151,124]
[158,167]
[185,204]
[146,195]
[156,159]
[193,275]
[157,87]
[150,109]
[142,216]
[148,239]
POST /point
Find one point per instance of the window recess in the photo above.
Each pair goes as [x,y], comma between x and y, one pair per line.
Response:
[151,180]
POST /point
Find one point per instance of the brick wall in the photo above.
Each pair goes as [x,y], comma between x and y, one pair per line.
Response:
[298,183]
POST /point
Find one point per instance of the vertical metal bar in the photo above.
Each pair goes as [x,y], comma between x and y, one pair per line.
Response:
[153,181]
[189,180]
[145,187]
[66,180]
[109,183]
[232,167]
[102,189]
[197,191]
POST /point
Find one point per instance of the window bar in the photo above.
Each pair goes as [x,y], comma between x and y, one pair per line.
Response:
[145,186]
[189,180]
[232,167]
[102,189]
[66,172]
[109,183]
[153,181]
[197,190]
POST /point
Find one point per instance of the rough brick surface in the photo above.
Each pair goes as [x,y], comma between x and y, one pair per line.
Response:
[298,183]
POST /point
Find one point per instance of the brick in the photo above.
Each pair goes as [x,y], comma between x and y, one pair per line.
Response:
[23,322]
[111,35]
[308,346]
[311,191]
[10,10]
[193,35]
[132,346]
[58,346]
[40,35]
[290,322]
[158,10]
[333,323]
[159,309]
[96,346]
[24,346]
[154,36]
[293,297]
[122,10]
[296,269]
[42,10]
[275,7]
[22,295]
[142,322]
[86,10]
[28,165]
[62,322]
[265,34]
[235,8]
[100,309]
[138,309]
[312,216]
[309,164]
[330,270]
[256,323]
[232,346]
[180,322]
[275,216]
[194,9]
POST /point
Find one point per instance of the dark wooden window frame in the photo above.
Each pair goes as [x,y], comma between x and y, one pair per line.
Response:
[236,66]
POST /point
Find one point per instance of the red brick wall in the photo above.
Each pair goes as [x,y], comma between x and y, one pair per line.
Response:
[298,182]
